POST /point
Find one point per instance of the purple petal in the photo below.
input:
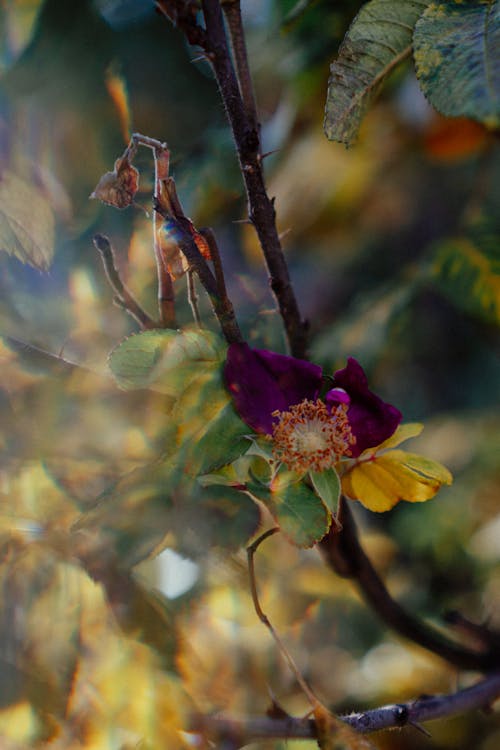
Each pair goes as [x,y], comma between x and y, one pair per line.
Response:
[372,420]
[261,382]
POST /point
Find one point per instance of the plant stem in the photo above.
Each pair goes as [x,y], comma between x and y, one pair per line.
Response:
[123,297]
[222,307]
[166,297]
[232,11]
[193,298]
[251,550]
[343,552]
[260,207]
[478,696]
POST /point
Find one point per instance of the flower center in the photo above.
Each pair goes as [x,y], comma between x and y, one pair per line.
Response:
[311,437]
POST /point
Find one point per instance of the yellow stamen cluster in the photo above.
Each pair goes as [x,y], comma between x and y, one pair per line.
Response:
[310,437]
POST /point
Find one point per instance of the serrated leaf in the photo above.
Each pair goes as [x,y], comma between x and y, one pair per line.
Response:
[27,227]
[327,487]
[165,361]
[300,514]
[381,482]
[457,58]
[378,39]
[468,273]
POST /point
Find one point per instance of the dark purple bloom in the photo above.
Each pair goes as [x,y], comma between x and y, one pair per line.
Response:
[372,420]
[262,382]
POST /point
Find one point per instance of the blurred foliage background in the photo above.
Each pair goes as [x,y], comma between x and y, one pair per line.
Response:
[393,247]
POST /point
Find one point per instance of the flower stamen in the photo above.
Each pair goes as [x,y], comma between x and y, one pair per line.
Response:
[310,436]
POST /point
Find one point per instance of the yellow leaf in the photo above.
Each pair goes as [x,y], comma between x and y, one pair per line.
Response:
[384,480]
[403,432]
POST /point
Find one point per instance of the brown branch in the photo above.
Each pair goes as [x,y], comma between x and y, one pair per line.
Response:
[232,11]
[345,555]
[187,246]
[242,731]
[122,297]
[260,207]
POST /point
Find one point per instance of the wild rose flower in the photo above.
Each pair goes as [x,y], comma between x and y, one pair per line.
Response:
[278,396]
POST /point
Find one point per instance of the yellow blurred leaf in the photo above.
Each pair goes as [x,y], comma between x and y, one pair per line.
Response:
[26,221]
[384,479]
[19,723]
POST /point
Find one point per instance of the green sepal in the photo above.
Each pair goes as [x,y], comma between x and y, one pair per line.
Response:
[327,487]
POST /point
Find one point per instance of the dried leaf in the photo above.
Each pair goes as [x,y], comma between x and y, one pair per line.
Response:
[118,188]
[27,227]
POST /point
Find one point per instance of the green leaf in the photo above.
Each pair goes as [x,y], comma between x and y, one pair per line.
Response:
[468,272]
[262,448]
[301,515]
[378,39]
[327,486]
[457,58]
[27,227]
[164,360]
[223,442]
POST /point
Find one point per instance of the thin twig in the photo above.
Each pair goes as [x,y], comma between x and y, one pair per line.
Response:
[343,552]
[193,297]
[166,297]
[123,297]
[251,550]
[208,234]
[478,696]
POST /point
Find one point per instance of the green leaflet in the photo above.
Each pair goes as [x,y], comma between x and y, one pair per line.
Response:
[301,515]
[164,360]
[378,39]
[327,487]
[457,58]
